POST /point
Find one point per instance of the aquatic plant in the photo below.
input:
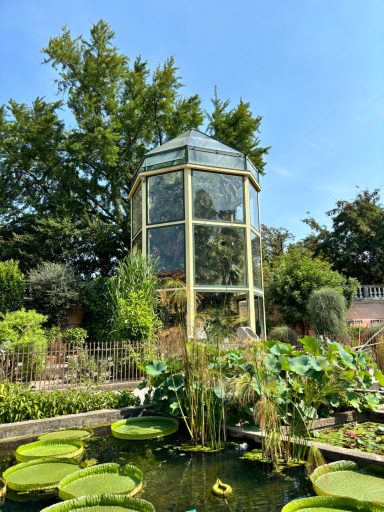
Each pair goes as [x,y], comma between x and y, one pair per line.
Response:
[38,475]
[58,449]
[344,479]
[324,503]
[102,503]
[144,427]
[70,433]
[101,479]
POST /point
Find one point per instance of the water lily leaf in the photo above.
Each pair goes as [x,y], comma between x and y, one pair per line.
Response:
[144,427]
[344,479]
[102,503]
[330,503]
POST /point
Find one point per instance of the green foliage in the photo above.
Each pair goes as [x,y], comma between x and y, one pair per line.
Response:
[296,275]
[101,503]
[23,328]
[283,333]
[11,286]
[75,337]
[134,299]
[354,243]
[327,313]
[237,128]
[64,189]
[18,403]
[98,313]
[53,289]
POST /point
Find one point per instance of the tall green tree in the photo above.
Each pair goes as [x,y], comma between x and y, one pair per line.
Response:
[354,244]
[238,128]
[295,275]
[64,187]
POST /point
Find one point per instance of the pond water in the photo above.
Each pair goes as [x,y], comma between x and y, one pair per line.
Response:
[178,482]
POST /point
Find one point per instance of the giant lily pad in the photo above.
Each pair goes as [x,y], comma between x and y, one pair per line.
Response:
[144,427]
[38,475]
[344,479]
[59,449]
[101,479]
[102,503]
[71,433]
[330,504]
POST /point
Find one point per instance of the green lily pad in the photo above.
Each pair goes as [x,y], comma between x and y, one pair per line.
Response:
[344,479]
[330,504]
[144,427]
[38,475]
[104,478]
[102,503]
[58,449]
[70,433]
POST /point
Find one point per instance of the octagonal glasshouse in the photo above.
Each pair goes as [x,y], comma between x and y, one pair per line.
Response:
[195,212]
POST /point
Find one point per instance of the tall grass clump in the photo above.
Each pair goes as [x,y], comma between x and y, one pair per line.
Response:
[327,313]
[133,299]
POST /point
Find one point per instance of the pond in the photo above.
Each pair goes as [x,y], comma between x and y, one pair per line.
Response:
[175,481]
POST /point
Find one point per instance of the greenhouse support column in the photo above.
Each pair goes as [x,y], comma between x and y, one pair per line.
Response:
[189,253]
[143,215]
[251,300]
[263,329]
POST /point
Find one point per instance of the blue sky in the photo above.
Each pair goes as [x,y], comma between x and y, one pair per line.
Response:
[312,68]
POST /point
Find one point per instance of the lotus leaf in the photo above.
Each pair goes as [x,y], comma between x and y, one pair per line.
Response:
[104,478]
[330,504]
[38,475]
[344,479]
[144,427]
[71,433]
[102,503]
[58,449]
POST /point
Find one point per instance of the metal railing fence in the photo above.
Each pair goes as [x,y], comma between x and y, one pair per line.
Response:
[58,365]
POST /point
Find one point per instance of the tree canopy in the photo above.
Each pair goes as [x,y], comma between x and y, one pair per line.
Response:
[354,244]
[64,185]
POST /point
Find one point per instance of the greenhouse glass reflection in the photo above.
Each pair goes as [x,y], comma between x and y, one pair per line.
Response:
[195,212]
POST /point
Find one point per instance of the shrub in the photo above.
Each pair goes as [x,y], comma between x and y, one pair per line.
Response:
[327,312]
[18,403]
[53,289]
[26,338]
[12,285]
[283,333]
[134,299]
[75,337]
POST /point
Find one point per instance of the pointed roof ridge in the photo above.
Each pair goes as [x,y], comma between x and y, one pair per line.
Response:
[195,139]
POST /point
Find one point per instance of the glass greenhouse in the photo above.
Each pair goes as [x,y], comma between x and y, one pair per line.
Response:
[195,211]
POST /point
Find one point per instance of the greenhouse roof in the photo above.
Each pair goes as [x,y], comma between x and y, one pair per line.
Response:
[195,147]
[194,139]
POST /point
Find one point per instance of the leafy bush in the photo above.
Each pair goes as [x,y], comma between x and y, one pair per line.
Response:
[98,313]
[134,298]
[12,285]
[75,337]
[23,334]
[53,289]
[18,403]
[327,312]
[283,333]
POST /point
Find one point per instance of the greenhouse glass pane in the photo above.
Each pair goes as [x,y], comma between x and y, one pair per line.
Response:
[259,315]
[256,260]
[166,159]
[214,159]
[137,244]
[166,245]
[136,211]
[219,256]
[219,314]
[254,206]
[165,197]
[217,196]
